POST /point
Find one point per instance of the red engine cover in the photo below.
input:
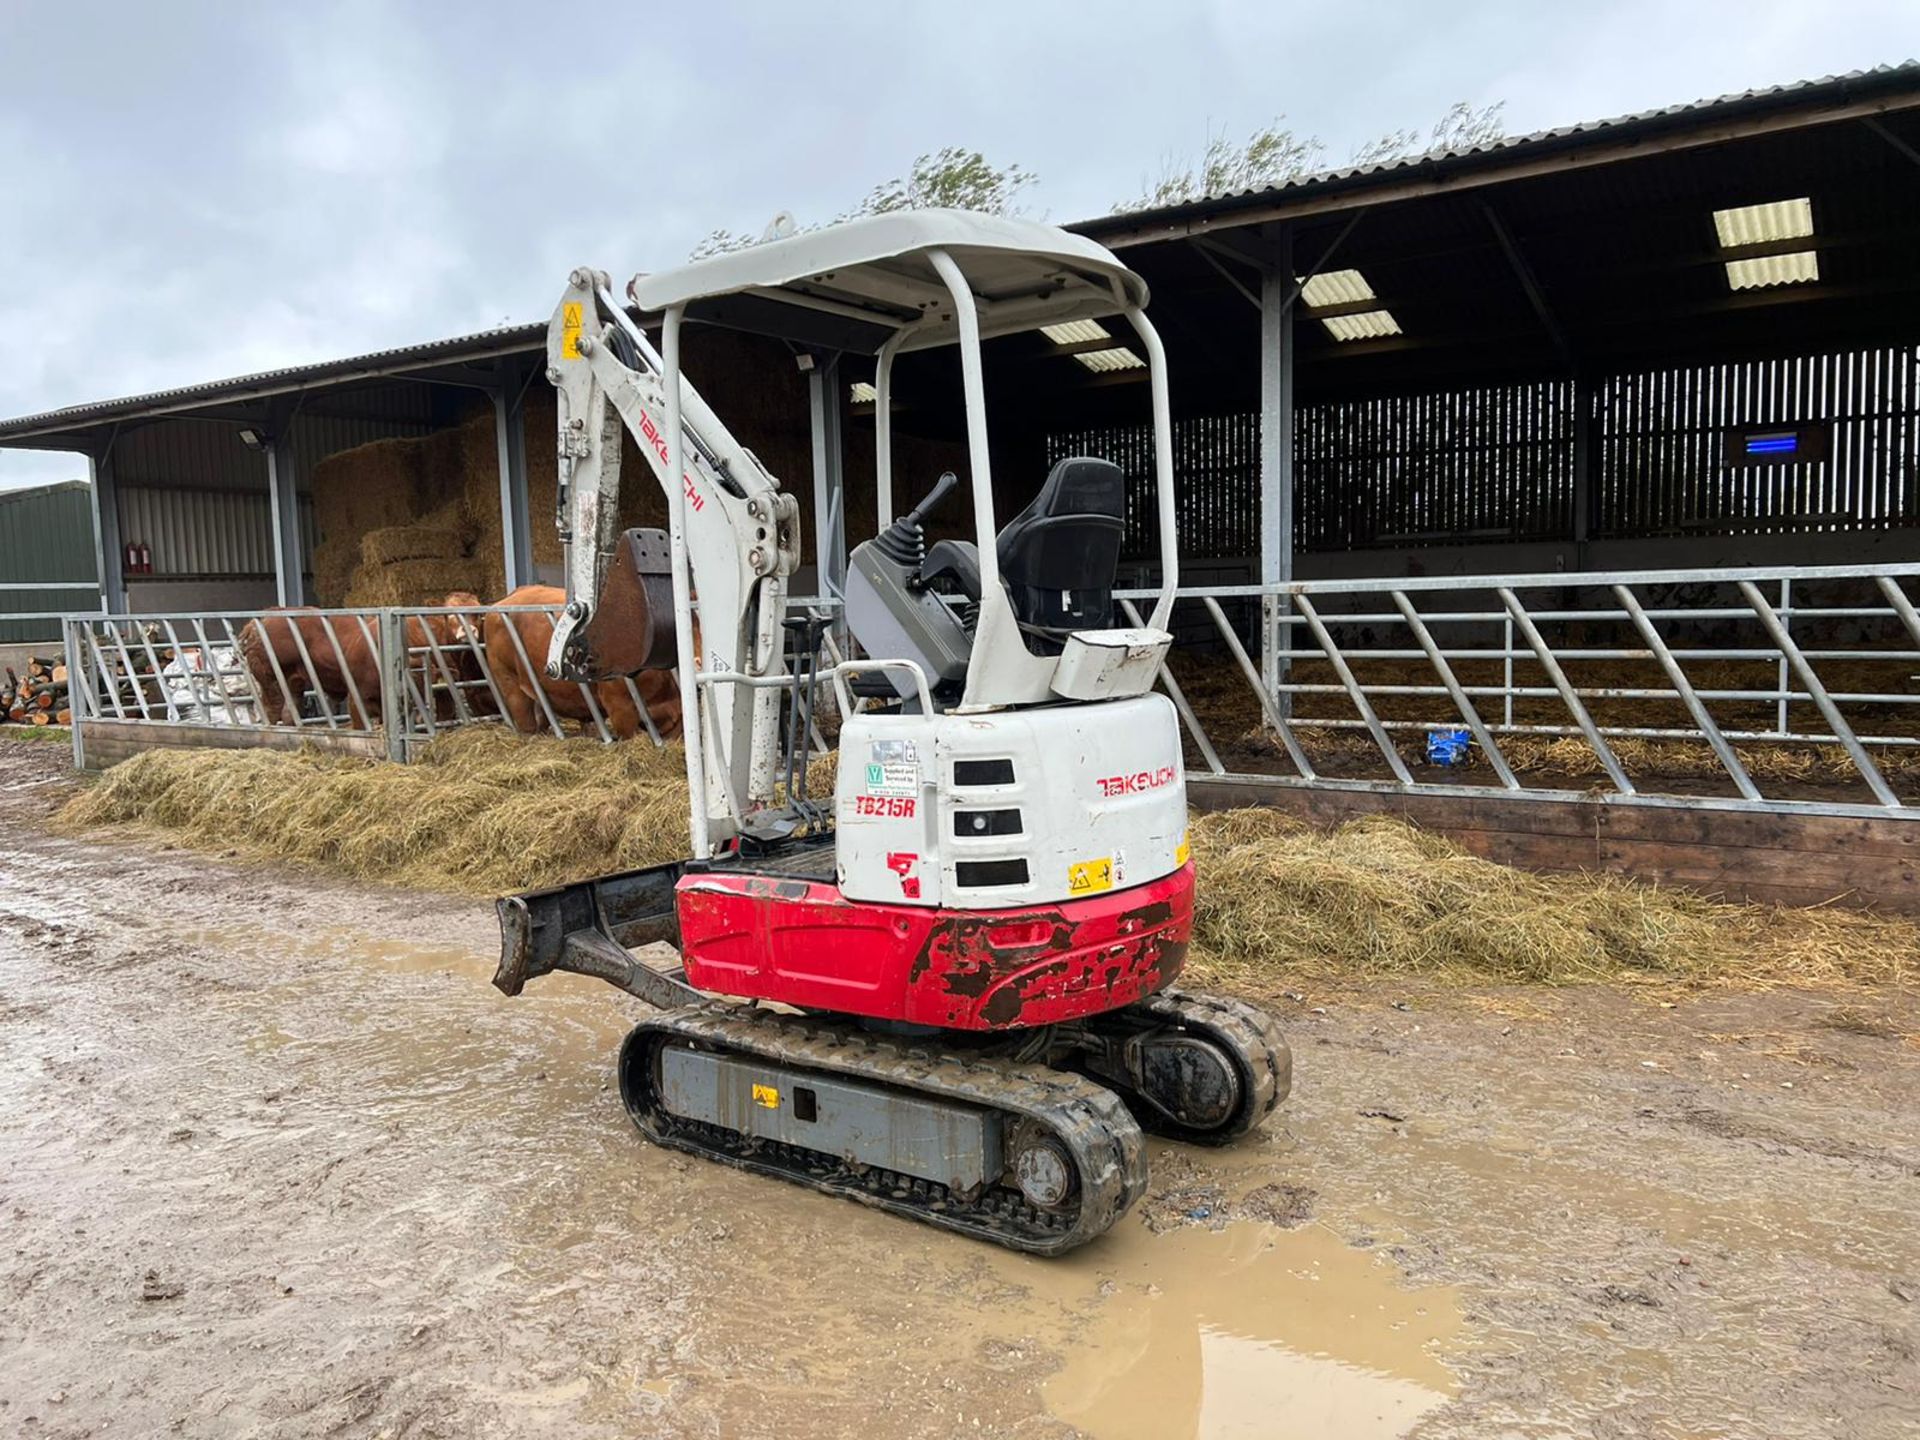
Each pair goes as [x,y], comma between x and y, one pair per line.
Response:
[803,943]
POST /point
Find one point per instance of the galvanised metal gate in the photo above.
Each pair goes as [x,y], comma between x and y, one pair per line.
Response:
[1729,670]
[389,678]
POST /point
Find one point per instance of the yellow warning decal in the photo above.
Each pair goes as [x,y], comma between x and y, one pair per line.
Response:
[571,315]
[766,1095]
[1182,852]
[1089,876]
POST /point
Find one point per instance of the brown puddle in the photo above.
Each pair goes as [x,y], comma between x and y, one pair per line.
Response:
[1246,1331]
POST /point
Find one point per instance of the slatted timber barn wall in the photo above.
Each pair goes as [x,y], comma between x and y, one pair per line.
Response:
[1497,463]
[1413,470]
[1216,461]
[1662,467]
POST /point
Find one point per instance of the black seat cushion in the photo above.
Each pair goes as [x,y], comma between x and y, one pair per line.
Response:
[1058,556]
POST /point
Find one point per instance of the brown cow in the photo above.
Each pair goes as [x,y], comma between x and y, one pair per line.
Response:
[271,638]
[517,681]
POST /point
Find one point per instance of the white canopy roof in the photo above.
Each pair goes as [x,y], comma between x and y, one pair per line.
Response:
[1022,273]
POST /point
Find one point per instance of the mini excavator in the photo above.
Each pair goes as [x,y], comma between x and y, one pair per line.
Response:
[951,994]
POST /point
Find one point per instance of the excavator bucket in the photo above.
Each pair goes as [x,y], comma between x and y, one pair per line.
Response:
[631,627]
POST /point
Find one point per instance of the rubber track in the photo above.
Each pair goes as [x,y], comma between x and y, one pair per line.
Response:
[1247,1033]
[1091,1122]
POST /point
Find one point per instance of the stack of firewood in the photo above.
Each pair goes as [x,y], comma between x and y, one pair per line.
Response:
[37,698]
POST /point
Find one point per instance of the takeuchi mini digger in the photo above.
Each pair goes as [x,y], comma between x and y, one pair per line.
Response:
[950,996]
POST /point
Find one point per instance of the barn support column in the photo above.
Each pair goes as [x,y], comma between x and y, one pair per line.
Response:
[1278,289]
[827,404]
[282,488]
[510,440]
[108,548]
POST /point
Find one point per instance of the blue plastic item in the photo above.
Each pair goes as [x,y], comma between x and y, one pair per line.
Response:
[1448,747]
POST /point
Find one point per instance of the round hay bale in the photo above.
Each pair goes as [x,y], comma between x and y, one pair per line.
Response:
[411,542]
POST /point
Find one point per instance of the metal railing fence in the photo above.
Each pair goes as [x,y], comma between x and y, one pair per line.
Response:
[400,674]
[1793,687]
[403,673]
[1783,688]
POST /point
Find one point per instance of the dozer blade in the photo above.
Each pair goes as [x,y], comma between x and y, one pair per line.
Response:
[587,928]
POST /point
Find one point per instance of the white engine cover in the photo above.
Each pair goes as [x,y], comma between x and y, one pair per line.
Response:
[1013,807]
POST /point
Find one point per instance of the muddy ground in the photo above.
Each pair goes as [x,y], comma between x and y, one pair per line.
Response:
[275,1160]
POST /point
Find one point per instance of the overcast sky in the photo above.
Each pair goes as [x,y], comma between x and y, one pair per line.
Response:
[192,191]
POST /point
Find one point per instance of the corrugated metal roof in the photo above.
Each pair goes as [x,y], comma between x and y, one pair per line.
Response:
[506,339]
[24,493]
[1618,127]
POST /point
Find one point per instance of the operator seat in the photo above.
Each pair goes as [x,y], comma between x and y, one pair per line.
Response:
[1058,556]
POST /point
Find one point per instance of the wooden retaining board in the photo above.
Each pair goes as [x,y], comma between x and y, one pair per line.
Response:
[1770,858]
[108,742]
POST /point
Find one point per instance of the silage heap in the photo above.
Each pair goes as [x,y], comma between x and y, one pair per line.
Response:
[484,812]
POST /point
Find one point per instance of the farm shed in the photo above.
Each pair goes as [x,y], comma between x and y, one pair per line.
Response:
[1552,353]
[1543,392]
[46,558]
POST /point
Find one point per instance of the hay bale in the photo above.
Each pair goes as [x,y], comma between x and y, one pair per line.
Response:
[415,582]
[401,483]
[411,542]
[369,487]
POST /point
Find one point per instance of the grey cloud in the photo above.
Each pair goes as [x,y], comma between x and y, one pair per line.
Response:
[189,191]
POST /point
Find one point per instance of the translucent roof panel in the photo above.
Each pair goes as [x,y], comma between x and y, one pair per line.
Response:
[1336,287]
[1367,325]
[1757,224]
[1106,361]
[1798,268]
[1076,332]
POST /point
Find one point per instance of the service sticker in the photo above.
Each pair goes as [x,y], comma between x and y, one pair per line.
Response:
[1089,877]
[893,768]
[766,1096]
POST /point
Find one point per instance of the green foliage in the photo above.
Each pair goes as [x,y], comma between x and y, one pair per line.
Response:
[952,178]
[1270,156]
[960,179]
[1462,127]
[1275,154]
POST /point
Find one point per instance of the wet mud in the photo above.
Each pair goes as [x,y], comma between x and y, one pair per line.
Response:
[275,1160]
